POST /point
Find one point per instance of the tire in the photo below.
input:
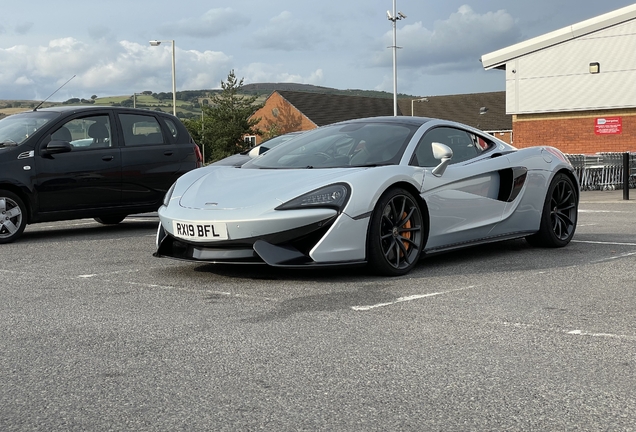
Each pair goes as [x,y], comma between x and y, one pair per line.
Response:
[396,234]
[13,216]
[559,215]
[110,220]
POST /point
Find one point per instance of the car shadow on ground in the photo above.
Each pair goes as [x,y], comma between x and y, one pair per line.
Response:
[86,229]
[494,257]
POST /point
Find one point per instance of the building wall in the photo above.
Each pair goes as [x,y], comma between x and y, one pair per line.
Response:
[505,136]
[558,78]
[576,133]
[279,117]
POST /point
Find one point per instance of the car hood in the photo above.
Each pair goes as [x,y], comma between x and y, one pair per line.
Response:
[229,188]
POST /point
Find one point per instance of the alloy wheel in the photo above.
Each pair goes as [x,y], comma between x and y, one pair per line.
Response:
[563,210]
[10,218]
[401,231]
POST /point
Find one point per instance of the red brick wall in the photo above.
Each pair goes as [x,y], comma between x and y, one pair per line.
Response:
[279,116]
[574,132]
[505,136]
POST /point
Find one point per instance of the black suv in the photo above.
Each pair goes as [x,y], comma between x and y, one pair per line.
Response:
[77,162]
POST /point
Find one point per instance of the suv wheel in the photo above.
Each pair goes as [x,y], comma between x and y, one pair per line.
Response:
[12,216]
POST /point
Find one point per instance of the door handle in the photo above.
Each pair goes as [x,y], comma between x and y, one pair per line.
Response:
[107,158]
[168,153]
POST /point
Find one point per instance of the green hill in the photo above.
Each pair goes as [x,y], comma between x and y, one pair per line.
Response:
[188,101]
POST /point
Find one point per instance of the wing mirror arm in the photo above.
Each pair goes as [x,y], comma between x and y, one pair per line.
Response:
[444,154]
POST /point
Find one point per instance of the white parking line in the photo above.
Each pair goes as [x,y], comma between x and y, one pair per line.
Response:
[601,335]
[568,332]
[625,255]
[406,299]
[604,243]
[601,211]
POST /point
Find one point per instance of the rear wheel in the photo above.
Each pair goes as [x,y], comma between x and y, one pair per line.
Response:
[12,216]
[110,220]
[396,234]
[558,219]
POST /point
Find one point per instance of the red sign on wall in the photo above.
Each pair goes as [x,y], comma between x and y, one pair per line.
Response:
[608,126]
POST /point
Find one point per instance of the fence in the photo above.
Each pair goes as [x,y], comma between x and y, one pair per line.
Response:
[602,171]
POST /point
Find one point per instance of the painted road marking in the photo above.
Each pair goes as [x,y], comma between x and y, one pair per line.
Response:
[604,243]
[407,299]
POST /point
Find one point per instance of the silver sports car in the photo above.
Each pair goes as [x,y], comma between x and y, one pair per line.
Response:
[380,191]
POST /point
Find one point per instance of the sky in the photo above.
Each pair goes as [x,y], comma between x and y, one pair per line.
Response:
[342,44]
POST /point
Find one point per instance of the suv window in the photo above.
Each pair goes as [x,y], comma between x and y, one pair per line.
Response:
[85,133]
[465,146]
[141,130]
[171,127]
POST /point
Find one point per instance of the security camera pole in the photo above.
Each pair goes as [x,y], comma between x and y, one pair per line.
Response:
[394,17]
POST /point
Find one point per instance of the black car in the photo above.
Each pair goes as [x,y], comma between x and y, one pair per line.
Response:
[76,162]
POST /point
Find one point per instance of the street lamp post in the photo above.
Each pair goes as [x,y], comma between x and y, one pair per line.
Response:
[174,77]
[417,100]
[394,17]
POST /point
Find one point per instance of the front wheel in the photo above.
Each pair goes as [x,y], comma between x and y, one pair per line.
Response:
[12,216]
[110,220]
[558,219]
[396,234]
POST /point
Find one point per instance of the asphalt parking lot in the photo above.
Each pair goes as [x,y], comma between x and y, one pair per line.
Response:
[99,335]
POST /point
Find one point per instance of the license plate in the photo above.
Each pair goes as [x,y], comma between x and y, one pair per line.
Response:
[201,230]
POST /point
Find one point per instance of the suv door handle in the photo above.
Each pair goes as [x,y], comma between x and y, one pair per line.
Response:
[168,153]
[107,158]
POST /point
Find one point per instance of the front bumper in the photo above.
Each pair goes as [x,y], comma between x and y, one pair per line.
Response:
[309,245]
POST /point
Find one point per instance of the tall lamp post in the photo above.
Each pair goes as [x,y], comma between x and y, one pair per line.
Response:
[174,78]
[394,17]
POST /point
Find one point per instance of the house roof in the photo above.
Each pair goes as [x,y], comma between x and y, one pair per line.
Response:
[498,59]
[324,109]
[463,108]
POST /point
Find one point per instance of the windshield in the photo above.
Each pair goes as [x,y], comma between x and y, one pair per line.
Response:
[340,145]
[16,128]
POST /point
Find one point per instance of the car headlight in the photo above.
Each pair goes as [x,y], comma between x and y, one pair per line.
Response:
[166,199]
[333,196]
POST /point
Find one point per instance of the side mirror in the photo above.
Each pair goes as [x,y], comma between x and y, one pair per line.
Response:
[257,151]
[254,152]
[55,146]
[443,153]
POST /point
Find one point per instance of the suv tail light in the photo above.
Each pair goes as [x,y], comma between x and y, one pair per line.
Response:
[197,152]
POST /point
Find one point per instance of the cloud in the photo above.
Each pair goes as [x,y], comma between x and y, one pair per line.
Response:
[105,69]
[99,32]
[212,23]
[284,33]
[456,43]
[23,28]
[266,73]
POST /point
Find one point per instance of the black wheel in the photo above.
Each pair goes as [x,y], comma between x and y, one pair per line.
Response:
[110,220]
[396,234]
[558,219]
[12,216]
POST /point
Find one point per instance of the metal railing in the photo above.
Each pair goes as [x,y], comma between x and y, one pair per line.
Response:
[603,171]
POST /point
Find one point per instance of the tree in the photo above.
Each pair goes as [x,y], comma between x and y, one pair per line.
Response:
[225,121]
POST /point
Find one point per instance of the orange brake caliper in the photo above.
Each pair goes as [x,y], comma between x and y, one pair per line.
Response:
[406,235]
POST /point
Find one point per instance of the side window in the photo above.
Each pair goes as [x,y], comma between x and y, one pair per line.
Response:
[85,133]
[172,127]
[465,146]
[140,129]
